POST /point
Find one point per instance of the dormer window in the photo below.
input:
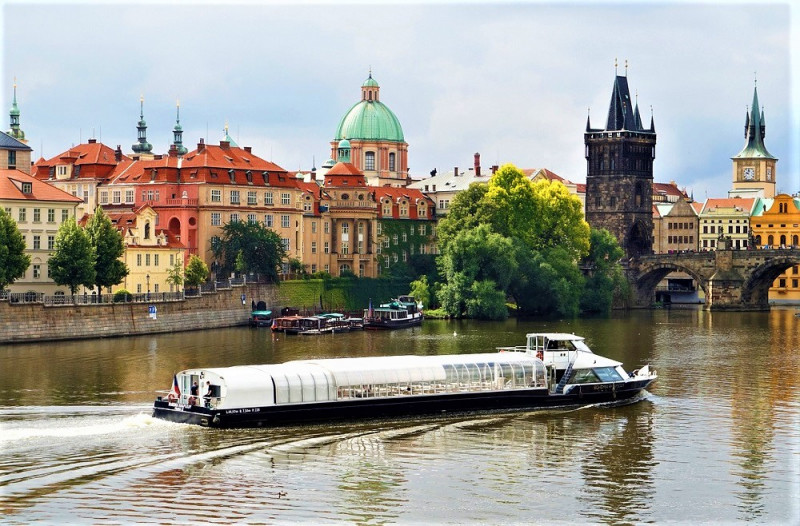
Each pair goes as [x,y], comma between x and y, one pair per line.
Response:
[265,175]
[249,176]
[27,188]
[147,230]
[231,175]
[153,174]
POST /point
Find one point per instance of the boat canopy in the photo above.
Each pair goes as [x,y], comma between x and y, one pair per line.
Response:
[302,381]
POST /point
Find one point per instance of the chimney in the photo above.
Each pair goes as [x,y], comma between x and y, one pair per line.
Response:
[494,169]
[118,153]
[477,164]
[455,171]
[92,141]
[173,150]
[248,149]
[201,146]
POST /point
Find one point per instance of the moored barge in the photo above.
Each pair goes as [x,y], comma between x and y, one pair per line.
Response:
[552,369]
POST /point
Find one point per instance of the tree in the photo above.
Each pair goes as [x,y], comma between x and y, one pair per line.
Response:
[467,210]
[109,246]
[13,259]
[255,247]
[73,262]
[606,282]
[421,291]
[196,272]
[175,274]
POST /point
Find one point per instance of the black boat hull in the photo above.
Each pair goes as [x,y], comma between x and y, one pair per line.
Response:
[355,409]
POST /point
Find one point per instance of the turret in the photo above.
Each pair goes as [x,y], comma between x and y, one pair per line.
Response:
[13,114]
[142,146]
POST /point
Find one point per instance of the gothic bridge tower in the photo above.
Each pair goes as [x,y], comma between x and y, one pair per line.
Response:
[619,173]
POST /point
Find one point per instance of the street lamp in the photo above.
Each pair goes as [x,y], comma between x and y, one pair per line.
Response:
[147,277]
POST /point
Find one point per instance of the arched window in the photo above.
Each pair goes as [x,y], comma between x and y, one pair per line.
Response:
[391,162]
[783,240]
[369,161]
[147,230]
[344,267]
[795,240]
[770,240]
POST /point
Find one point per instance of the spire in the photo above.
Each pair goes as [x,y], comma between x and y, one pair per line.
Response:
[370,90]
[652,121]
[177,132]
[637,119]
[755,131]
[15,130]
[227,138]
[588,120]
[620,110]
[142,146]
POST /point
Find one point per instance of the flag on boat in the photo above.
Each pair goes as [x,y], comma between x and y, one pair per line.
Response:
[371,311]
[176,391]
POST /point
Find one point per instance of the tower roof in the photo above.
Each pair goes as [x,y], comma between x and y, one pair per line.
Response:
[755,130]
[370,119]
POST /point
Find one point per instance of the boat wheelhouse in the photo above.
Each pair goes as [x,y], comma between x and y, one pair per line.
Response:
[348,388]
[261,318]
[397,314]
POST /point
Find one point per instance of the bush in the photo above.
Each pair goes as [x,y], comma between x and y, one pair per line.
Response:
[122,296]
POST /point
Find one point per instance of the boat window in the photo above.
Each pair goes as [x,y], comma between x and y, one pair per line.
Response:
[583,376]
[607,374]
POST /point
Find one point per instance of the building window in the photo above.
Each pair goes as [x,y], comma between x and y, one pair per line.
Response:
[129,196]
[286,198]
[380,228]
[252,198]
[386,242]
[64,215]
[285,243]
[387,209]
[313,268]
[138,260]
[268,221]
[394,239]
[215,219]
[51,242]
[12,159]
[313,227]
[234,218]
[37,271]
[234,197]
[326,248]
[268,198]
[345,247]
[345,228]
[116,197]
[327,227]
[155,261]
[392,162]
[313,247]
[22,214]
[147,260]
[369,161]
[422,211]
[37,215]
[37,242]
[285,221]
[251,218]
[216,196]
[404,209]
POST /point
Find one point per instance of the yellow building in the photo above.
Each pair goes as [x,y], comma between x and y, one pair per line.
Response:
[776,224]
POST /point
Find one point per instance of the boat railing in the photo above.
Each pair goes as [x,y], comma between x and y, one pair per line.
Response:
[516,348]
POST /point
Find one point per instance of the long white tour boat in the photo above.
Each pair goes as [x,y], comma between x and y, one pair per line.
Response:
[552,369]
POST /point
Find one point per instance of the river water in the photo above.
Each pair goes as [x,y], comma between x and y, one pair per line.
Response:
[715,440]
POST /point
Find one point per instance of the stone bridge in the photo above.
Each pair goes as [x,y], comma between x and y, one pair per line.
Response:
[731,279]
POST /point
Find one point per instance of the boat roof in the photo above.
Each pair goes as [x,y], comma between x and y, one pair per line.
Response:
[261,312]
[556,336]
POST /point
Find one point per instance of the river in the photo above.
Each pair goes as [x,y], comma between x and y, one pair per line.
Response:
[715,440]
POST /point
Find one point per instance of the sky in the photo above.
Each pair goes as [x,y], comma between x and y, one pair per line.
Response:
[512,81]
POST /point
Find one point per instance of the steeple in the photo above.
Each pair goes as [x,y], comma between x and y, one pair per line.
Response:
[755,131]
[15,130]
[142,146]
[370,90]
[177,132]
[227,137]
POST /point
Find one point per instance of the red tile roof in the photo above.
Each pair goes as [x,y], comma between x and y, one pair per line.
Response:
[744,203]
[11,188]
[95,159]
[670,188]
[345,174]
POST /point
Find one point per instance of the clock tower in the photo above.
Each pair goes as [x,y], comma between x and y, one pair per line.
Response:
[754,167]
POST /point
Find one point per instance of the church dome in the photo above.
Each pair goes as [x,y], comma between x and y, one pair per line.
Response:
[370,119]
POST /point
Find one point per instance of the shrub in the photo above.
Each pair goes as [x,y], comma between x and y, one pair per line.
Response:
[122,296]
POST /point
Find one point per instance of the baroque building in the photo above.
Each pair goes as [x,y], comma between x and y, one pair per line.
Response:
[378,147]
[619,173]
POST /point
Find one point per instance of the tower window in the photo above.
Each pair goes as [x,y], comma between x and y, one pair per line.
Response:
[392,162]
[369,161]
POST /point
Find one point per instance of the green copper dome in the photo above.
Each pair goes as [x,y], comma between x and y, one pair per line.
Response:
[370,119]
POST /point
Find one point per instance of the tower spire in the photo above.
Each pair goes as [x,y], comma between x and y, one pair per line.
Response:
[177,132]
[142,146]
[13,114]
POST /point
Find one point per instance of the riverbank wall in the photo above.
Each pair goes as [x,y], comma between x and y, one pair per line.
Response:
[223,308]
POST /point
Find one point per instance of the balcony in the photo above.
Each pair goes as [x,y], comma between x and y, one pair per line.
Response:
[182,202]
[351,203]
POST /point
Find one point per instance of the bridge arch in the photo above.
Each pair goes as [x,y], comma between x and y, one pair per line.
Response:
[755,289]
[649,276]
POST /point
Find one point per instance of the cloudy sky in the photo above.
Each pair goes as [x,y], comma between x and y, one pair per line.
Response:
[512,81]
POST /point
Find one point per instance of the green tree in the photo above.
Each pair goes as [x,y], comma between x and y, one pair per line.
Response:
[261,249]
[196,272]
[421,291]
[13,259]
[175,275]
[72,264]
[109,246]
[606,282]
[467,210]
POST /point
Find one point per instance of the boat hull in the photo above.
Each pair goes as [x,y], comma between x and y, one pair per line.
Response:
[411,405]
[392,324]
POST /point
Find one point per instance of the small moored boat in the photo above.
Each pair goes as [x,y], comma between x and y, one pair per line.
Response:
[552,369]
[261,318]
[397,314]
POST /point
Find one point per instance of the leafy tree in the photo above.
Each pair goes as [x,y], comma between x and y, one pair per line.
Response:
[421,291]
[109,246]
[13,259]
[196,272]
[175,274]
[486,301]
[467,210]
[73,262]
[296,267]
[606,282]
[261,249]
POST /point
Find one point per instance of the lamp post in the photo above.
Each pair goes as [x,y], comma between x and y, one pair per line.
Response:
[147,277]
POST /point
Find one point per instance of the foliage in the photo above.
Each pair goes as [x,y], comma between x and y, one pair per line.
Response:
[297,268]
[13,259]
[73,262]
[249,247]
[606,283]
[109,246]
[421,290]
[475,255]
[196,272]
[121,296]
[516,238]
[175,274]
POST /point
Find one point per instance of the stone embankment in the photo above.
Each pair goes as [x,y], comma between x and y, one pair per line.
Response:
[223,308]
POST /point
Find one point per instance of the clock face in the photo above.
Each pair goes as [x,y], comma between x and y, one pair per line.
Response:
[749,174]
